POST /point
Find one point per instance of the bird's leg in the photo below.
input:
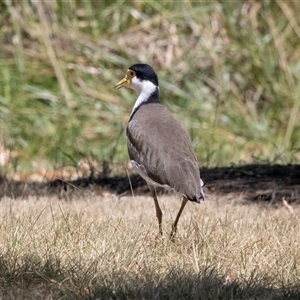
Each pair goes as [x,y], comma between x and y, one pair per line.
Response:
[174,226]
[157,208]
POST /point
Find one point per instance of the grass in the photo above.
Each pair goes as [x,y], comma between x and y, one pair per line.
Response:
[229,71]
[107,248]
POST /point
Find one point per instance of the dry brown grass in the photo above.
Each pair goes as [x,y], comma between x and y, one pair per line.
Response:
[107,248]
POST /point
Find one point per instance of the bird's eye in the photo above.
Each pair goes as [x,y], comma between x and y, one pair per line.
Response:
[132,73]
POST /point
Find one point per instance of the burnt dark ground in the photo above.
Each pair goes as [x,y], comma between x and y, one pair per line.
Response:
[269,183]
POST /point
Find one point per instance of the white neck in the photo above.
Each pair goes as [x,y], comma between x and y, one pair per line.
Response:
[144,89]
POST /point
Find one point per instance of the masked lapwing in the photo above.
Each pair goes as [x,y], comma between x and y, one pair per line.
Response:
[160,149]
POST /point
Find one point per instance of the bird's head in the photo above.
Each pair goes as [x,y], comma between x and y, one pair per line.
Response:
[139,77]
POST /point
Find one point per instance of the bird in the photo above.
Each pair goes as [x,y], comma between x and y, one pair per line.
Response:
[159,147]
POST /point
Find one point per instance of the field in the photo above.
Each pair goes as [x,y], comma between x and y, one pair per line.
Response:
[97,238]
[228,70]
[75,223]
[98,247]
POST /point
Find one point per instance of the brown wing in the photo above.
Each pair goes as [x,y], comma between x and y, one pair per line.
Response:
[163,148]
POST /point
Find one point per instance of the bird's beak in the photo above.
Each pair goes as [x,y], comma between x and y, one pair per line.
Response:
[124,82]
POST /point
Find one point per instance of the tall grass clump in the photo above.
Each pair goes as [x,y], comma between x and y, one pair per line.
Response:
[229,71]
